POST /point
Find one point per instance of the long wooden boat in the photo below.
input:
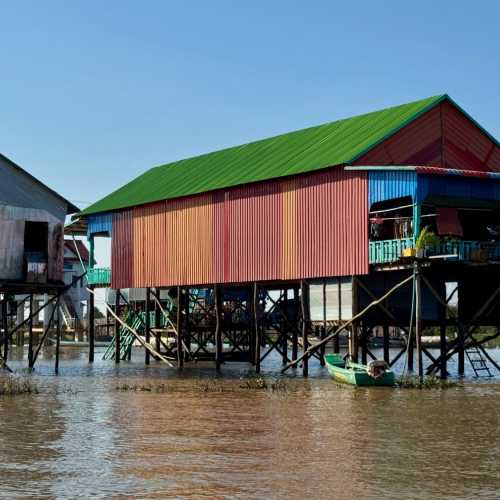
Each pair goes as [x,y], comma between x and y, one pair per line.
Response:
[355,373]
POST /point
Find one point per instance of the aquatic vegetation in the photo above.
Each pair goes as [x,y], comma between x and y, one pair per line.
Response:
[428,382]
[261,383]
[14,386]
[160,388]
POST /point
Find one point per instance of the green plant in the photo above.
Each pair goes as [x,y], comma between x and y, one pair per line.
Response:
[13,386]
[426,238]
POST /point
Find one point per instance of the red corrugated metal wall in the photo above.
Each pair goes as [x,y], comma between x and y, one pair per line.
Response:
[442,137]
[304,227]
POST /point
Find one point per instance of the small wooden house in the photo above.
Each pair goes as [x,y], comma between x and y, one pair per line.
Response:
[31,229]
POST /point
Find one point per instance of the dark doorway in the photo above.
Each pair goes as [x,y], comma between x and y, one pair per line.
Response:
[36,237]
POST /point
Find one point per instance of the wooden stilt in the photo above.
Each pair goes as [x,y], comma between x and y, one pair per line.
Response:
[91,324]
[324,328]
[364,345]
[418,320]
[5,327]
[284,331]
[187,333]
[147,324]
[58,334]
[460,337]
[353,339]
[386,343]
[30,333]
[218,327]
[295,333]
[256,326]
[117,327]
[442,346]
[336,339]
[157,321]
[304,304]
[178,326]
[251,326]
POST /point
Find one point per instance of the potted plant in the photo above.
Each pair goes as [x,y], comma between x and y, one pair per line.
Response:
[425,239]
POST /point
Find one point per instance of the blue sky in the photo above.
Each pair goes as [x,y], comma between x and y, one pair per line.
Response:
[94,93]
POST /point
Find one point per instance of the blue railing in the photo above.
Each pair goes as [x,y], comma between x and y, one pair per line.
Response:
[99,276]
[385,251]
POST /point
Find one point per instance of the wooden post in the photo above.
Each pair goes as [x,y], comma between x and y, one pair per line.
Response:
[147,324]
[30,333]
[58,333]
[336,339]
[91,305]
[218,327]
[304,303]
[187,335]
[117,326]
[386,343]
[5,327]
[324,328]
[91,324]
[158,316]
[364,347]
[460,335]
[442,346]
[353,339]
[284,330]
[295,333]
[180,356]
[256,326]
[251,326]
[418,320]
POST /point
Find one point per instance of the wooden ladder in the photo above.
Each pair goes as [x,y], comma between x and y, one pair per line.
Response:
[478,362]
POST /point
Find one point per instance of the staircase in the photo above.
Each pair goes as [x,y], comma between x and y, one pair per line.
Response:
[136,321]
[478,362]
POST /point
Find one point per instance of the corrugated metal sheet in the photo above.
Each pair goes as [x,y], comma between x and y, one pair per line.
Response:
[122,255]
[99,223]
[388,185]
[305,227]
[298,152]
[419,143]
[465,146]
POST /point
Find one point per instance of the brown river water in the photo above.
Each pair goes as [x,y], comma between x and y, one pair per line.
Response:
[80,437]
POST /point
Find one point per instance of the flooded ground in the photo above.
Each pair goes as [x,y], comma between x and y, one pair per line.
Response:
[80,437]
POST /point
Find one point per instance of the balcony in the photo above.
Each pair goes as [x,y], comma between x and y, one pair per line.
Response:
[387,251]
[99,276]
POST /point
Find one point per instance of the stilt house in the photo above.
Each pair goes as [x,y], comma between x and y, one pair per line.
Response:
[338,213]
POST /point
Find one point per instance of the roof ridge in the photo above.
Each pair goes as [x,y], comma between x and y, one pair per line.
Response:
[438,97]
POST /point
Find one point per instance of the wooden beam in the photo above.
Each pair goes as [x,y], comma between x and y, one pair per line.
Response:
[180,355]
[5,326]
[58,335]
[218,327]
[147,324]
[304,304]
[418,320]
[91,324]
[256,326]
[117,325]
[30,333]
[315,347]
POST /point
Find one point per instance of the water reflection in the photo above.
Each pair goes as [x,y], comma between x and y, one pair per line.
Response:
[81,437]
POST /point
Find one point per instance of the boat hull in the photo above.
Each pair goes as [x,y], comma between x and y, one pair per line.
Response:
[356,374]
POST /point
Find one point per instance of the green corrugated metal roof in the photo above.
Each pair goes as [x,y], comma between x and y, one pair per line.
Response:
[306,150]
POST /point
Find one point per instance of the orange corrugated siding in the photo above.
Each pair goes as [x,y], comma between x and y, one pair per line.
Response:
[304,227]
